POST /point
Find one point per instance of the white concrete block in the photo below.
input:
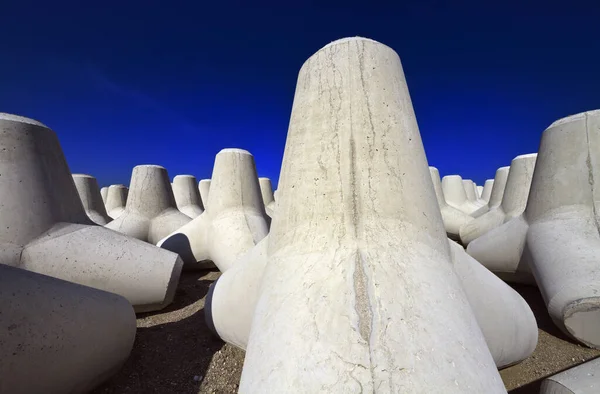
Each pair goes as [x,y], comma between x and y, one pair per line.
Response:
[187,195]
[89,193]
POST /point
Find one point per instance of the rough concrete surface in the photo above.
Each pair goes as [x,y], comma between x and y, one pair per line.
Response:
[174,345]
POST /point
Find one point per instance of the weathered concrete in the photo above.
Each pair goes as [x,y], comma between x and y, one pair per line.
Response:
[487,190]
[204,188]
[266,191]
[507,322]
[472,195]
[355,294]
[453,218]
[104,194]
[513,202]
[234,220]
[151,212]
[116,200]
[557,236]
[479,191]
[498,187]
[187,195]
[59,337]
[45,228]
[456,196]
[582,379]
[89,193]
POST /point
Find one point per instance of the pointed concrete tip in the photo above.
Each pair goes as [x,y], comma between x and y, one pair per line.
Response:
[235,150]
[433,168]
[576,117]
[20,119]
[527,156]
[82,176]
[264,177]
[150,166]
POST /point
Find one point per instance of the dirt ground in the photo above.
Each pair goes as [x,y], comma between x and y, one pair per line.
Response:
[174,352]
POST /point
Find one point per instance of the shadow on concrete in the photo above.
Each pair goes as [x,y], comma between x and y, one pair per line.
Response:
[175,355]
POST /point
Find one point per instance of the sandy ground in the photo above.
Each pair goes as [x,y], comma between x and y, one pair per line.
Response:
[174,352]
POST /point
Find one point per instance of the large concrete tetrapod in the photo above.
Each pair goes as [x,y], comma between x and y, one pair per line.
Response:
[359,292]
[204,189]
[116,200]
[59,337]
[487,190]
[187,195]
[104,193]
[479,191]
[582,379]
[453,218]
[151,212]
[234,220]
[45,228]
[456,196]
[266,191]
[498,187]
[89,193]
[557,237]
[507,323]
[513,202]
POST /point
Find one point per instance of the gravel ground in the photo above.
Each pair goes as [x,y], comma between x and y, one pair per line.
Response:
[174,352]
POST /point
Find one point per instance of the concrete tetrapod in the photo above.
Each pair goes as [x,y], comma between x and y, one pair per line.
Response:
[116,200]
[187,195]
[204,189]
[557,236]
[472,195]
[487,190]
[513,202]
[507,323]
[479,191]
[89,193]
[266,190]
[456,196]
[45,229]
[498,187]
[582,379]
[59,337]
[234,220]
[104,193]
[453,218]
[151,212]
[355,291]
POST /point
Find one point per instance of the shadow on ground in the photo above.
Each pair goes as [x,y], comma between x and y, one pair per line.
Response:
[173,347]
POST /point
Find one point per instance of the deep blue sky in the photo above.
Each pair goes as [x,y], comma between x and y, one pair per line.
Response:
[172,82]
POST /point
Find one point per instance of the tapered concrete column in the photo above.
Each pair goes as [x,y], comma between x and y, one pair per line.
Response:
[151,212]
[582,379]
[89,193]
[471,190]
[104,193]
[487,190]
[116,200]
[267,196]
[513,203]
[355,291]
[480,191]
[234,220]
[59,337]
[187,196]
[498,187]
[45,228]
[453,218]
[507,322]
[456,196]
[204,188]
